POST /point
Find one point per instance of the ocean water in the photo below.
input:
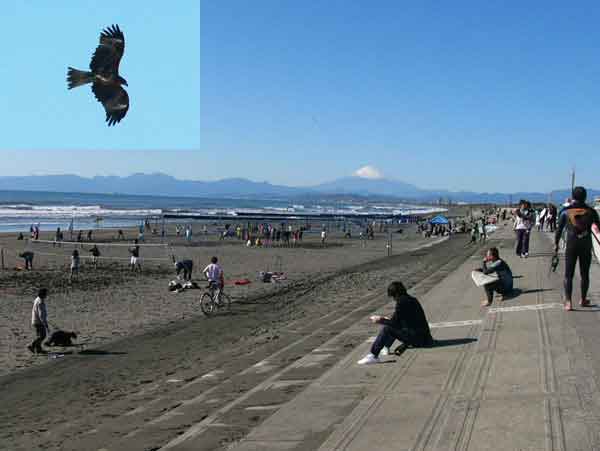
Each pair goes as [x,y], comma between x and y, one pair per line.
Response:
[20,209]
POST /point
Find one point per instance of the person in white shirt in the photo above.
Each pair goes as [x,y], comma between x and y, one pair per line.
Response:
[74,264]
[214,273]
[524,217]
[39,321]
[323,237]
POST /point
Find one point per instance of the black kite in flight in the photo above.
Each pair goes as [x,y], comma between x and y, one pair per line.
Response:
[104,75]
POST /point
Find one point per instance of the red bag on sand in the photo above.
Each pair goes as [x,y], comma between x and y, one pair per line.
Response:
[242,282]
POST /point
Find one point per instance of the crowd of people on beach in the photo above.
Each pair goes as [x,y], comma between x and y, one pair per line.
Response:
[264,234]
[408,323]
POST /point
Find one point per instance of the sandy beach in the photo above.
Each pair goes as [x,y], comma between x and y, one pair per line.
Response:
[109,302]
[135,330]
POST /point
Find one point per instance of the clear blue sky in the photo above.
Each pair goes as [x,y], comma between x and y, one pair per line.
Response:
[500,96]
[459,95]
[161,64]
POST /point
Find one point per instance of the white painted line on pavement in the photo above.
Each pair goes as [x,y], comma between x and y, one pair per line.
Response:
[469,322]
[520,308]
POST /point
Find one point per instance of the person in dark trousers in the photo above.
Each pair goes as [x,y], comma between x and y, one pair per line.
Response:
[95,255]
[186,266]
[134,251]
[28,257]
[523,223]
[577,219]
[408,324]
[39,321]
[492,263]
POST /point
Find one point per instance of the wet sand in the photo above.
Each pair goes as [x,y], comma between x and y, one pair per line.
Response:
[111,302]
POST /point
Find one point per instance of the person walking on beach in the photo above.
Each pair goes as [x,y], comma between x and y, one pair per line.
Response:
[134,251]
[95,254]
[28,257]
[408,324]
[323,237]
[493,264]
[39,321]
[89,235]
[523,222]
[74,264]
[578,219]
[57,237]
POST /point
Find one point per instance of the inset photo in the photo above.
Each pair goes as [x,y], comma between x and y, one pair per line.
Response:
[95,75]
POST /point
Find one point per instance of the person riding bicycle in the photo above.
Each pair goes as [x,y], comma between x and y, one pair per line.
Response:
[578,219]
[214,274]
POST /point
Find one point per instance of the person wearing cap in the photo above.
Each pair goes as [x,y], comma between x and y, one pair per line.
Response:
[577,219]
[408,324]
[39,321]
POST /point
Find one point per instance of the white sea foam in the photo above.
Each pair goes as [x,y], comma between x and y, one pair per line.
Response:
[70,211]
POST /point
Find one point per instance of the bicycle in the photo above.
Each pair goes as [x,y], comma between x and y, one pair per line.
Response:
[214,299]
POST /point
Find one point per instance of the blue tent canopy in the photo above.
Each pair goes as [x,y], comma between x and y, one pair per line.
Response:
[439,219]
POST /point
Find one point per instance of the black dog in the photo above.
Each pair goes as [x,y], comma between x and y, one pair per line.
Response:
[61,338]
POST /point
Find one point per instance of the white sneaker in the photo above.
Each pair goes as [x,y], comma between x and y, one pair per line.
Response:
[368,359]
[526,254]
[385,351]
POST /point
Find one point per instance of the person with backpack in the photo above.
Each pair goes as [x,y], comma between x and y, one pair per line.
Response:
[577,219]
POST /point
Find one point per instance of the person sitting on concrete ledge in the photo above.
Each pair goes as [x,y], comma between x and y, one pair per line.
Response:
[493,264]
[408,324]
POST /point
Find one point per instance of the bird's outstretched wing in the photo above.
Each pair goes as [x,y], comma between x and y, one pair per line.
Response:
[114,99]
[107,56]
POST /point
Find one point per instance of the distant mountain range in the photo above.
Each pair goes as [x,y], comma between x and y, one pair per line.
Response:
[161,184]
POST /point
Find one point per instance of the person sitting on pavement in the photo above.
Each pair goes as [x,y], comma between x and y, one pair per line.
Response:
[579,219]
[493,264]
[408,324]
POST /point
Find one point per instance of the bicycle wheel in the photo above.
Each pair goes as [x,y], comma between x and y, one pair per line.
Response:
[207,304]
[225,302]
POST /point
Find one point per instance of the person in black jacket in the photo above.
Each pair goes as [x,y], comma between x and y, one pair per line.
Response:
[578,219]
[408,324]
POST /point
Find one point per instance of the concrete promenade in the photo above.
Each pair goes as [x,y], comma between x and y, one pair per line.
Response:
[521,375]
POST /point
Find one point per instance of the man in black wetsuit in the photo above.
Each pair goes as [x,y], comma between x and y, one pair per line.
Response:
[578,219]
[408,324]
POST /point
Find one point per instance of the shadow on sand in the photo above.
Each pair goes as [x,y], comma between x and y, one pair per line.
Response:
[99,352]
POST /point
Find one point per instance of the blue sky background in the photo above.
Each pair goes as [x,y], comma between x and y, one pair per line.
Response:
[161,64]
[494,96]
[500,96]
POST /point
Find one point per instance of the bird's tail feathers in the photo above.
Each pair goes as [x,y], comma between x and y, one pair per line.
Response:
[78,77]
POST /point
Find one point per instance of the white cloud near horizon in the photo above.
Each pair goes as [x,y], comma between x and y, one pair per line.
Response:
[368,172]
